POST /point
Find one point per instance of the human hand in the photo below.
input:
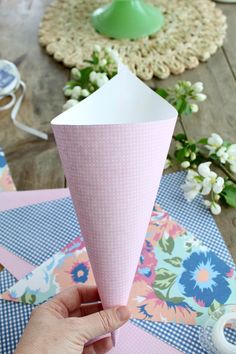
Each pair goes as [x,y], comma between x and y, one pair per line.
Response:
[66,323]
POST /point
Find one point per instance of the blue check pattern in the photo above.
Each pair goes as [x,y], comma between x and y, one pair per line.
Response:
[36,232]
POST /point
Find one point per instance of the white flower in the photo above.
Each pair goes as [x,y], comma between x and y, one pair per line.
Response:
[76,92]
[101,79]
[218,185]
[75,73]
[214,142]
[85,93]
[97,48]
[204,169]
[206,186]
[194,107]
[232,154]
[103,62]
[167,164]
[222,154]
[108,50]
[185,164]
[114,56]
[93,77]
[98,78]
[192,186]
[69,104]
[191,190]
[215,208]
[200,97]
[67,91]
[198,87]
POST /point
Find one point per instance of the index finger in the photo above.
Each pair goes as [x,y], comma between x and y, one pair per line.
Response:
[73,297]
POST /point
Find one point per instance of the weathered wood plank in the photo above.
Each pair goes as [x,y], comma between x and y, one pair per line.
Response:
[230,42]
[34,163]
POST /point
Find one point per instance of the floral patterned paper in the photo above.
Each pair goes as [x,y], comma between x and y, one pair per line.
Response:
[6,182]
[177,279]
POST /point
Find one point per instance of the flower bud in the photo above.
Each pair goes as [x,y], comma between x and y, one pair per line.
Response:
[69,104]
[97,48]
[76,92]
[200,97]
[215,208]
[185,164]
[75,74]
[194,107]
[85,93]
[103,62]
[198,87]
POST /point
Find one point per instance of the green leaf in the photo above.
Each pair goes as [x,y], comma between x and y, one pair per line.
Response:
[85,72]
[215,310]
[167,244]
[175,261]
[176,300]
[181,105]
[180,137]
[28,298]
[229,195]
[188,110]
[164,279]
[72,83]
[180,154]
[199,313]
[203,141]
[193,147]
[163,93]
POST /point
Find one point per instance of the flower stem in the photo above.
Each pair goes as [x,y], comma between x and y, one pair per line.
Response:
[182,125]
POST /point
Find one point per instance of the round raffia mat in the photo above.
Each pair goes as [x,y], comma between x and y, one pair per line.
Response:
[193,31]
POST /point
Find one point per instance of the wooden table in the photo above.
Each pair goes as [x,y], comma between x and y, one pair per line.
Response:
[34,163]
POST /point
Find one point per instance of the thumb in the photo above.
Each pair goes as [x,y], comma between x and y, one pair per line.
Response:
[103,322]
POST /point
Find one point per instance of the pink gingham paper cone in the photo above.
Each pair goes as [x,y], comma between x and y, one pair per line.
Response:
[113,147]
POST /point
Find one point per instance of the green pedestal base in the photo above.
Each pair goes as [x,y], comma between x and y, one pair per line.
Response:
[130,19]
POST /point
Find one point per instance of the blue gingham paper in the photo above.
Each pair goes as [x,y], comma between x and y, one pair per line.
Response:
[36,232]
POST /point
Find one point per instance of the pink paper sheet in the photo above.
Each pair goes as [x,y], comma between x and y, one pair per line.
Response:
[11,200]
[15,265]
[134,340]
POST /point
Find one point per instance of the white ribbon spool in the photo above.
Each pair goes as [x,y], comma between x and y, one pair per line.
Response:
[10,82]
[218,337]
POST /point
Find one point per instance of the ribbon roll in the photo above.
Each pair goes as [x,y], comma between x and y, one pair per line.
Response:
[9,83]
[218,337]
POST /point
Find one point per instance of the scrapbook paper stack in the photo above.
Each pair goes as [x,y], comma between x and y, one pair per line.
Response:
[165,299]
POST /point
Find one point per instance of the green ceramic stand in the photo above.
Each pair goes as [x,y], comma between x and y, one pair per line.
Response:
[130,19]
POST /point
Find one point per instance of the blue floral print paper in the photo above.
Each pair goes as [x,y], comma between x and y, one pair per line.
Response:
[178,279]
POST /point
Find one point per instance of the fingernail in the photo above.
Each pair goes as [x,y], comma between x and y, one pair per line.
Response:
[123,313]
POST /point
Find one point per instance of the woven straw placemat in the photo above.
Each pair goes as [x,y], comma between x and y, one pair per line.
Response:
[193,31]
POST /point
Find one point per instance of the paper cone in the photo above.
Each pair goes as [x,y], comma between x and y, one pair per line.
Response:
[113,147]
